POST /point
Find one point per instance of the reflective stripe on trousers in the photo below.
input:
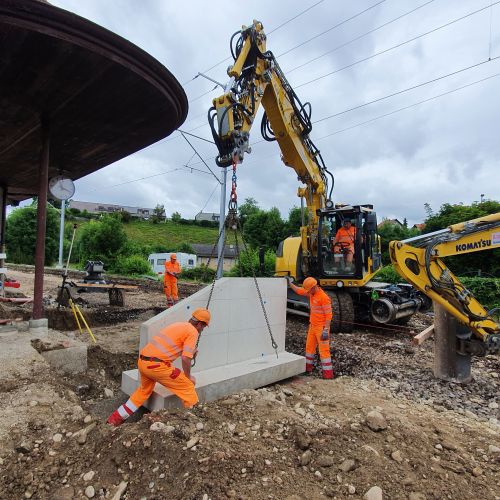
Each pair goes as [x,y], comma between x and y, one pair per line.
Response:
[314,342]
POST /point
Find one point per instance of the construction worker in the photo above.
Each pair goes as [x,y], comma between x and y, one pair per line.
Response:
[343,244]
[155,365]
[172,271]
[320,317]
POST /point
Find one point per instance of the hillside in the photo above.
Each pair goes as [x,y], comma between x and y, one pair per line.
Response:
[170,234]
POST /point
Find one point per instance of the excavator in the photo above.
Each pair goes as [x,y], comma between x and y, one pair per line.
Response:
[420,261]
[346,270]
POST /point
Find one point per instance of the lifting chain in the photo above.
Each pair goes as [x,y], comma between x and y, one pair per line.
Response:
[233,223]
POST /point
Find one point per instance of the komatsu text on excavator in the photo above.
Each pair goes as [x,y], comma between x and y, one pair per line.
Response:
[343,257]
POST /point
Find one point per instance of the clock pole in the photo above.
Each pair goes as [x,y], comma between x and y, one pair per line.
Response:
[61,235]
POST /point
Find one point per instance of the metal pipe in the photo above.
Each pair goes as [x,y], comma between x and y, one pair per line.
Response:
[61,235]
[43,183]
[222,216]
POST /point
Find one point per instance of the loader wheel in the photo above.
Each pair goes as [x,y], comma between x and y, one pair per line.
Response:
[343,312]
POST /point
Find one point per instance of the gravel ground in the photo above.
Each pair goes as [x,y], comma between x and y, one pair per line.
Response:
[384,423]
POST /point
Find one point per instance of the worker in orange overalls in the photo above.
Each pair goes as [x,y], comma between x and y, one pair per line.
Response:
[155,365]
[343,244]
[172,271]
[320,317]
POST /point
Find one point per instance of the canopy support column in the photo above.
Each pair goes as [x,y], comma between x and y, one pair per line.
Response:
[43,184]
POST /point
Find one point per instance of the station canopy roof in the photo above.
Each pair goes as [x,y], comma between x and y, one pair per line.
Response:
[104,97]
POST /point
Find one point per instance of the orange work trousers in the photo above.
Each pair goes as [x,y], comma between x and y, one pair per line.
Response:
[170,289]
[167,375]
[314,342]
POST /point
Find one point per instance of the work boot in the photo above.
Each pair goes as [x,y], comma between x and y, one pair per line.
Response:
[115,419]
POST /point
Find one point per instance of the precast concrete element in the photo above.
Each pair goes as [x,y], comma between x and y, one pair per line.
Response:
[235,351]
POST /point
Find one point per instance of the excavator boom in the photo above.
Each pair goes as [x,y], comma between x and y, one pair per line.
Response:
[419,261]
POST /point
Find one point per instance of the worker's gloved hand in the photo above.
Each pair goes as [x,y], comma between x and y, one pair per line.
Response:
[289,280]
[324,334]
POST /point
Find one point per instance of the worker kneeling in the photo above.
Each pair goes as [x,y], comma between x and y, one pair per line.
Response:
[155,365]
[320,317]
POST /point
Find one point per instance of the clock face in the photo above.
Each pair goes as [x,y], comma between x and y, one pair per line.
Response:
[61,187]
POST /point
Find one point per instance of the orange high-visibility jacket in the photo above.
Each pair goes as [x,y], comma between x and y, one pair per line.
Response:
[346,235]
[177,339]
[172,267]
[320,306]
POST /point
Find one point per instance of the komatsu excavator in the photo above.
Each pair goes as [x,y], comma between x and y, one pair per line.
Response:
[419,261]
[255,78]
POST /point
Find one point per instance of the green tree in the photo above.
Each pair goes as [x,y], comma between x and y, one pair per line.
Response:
[125,216]
[294,222]
[248,208]
[20,235]
[102,240]
[265,228]
[176,217]
[158,214]
[389,232]
[248,264]
[475,262]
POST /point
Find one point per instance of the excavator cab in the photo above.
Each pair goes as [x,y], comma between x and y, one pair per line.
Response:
[350,246]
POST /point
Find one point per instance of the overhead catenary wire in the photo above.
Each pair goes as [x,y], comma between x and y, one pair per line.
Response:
[272,31]
[199,156]
[404,108]
[359,37]
[380,52]
[331,28]
[254,159]
[402,91]
[372,56]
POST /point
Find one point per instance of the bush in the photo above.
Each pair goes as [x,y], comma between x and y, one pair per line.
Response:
[389,275]
[200,273]
[20,235]
[249,264]
[184,248]
[485,290]
[102,240]
[133,265]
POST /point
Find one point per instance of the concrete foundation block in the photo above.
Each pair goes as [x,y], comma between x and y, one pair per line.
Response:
[215,383]
[235,351]
[68,359]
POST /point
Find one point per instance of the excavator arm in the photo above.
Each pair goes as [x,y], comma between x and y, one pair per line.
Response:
[419,261]
[256,78]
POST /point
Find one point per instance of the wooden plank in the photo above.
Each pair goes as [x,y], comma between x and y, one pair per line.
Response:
[423,335]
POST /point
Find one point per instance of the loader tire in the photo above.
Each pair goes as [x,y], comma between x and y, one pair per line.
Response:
[343,312]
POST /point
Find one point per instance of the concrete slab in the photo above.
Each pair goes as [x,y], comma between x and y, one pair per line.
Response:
[235,352]
[221,381]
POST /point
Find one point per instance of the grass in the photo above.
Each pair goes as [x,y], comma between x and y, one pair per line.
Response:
[171,233]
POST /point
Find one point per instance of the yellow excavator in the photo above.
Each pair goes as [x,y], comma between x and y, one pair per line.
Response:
[344,271]
[419,261]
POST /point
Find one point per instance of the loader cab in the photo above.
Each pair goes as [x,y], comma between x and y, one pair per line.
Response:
[349,243]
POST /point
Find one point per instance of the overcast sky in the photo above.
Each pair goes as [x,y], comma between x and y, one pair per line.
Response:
[444,150]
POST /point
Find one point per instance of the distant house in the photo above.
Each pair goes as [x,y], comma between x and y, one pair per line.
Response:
[203,253]
[106,208]
[393,222]
[420,227]
[212,217]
